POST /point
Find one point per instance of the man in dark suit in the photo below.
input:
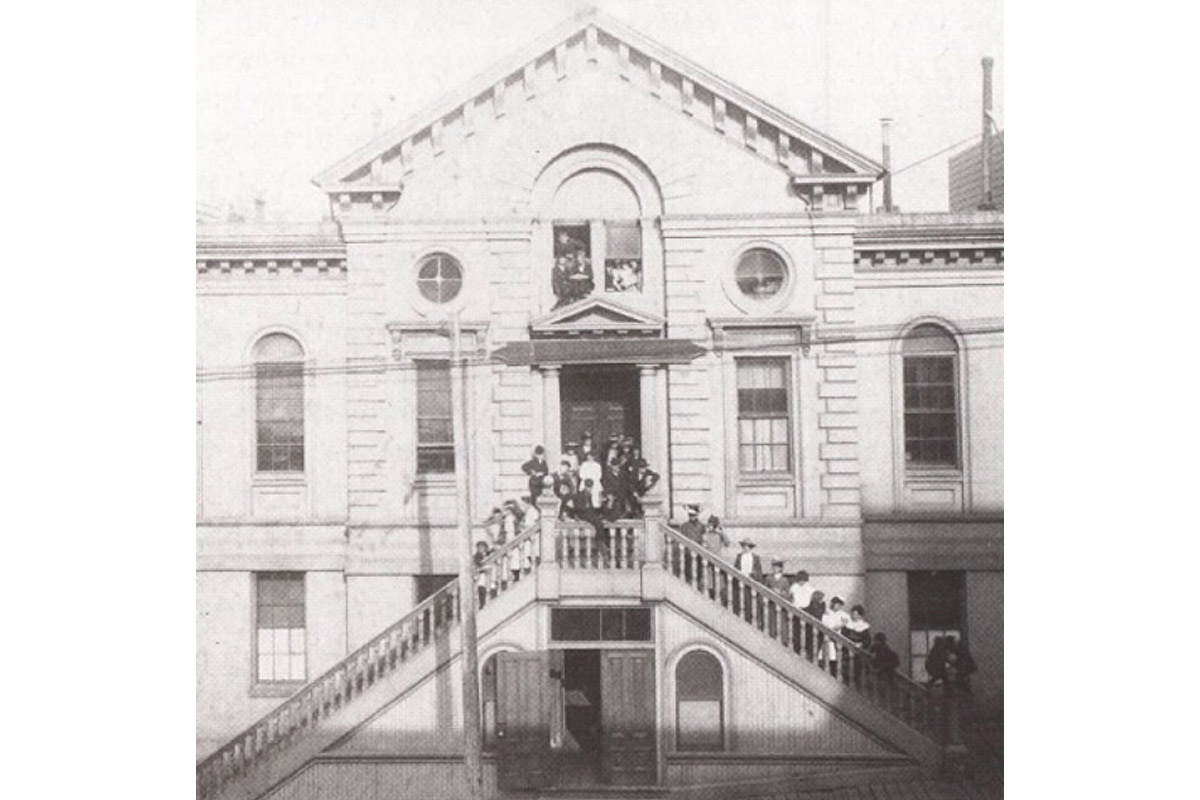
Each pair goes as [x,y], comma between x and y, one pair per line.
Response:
[586,511]
[537,469]
[564,489]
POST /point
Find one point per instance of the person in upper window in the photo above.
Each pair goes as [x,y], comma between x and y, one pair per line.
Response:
[693,529]
[537,469]
[560,282]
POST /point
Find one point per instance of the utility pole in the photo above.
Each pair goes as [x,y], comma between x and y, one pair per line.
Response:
[472,733]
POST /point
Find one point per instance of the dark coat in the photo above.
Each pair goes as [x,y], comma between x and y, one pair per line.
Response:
[537,469]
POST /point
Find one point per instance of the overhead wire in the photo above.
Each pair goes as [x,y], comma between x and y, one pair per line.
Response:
[860,335]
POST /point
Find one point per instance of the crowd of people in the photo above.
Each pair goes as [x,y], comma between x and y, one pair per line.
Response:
[593,485]
[798,591]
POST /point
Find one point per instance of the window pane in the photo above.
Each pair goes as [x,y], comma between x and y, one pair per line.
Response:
[698,677]
[279,403]
[637,625]
[297,671]
[624,240]
[265,639]
[278,347]
[265,667]
[699,725]
[439,278]
[296,640]
[929,339]
[282,662]
[612,625]
[435,424]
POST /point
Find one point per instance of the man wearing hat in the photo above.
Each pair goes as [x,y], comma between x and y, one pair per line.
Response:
[537,469]
[778,582]
[693,528]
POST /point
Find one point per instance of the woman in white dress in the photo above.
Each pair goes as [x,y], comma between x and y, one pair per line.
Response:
[835,618]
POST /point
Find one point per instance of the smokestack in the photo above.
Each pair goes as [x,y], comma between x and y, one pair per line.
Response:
[986,142]
[885,125]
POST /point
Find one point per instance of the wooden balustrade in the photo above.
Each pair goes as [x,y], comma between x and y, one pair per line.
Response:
[620,544]
[721,583]
[365,667]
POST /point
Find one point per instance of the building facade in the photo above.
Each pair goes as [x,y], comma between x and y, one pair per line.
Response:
[628,245]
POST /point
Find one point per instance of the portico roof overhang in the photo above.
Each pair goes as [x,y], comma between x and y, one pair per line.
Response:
[598,351]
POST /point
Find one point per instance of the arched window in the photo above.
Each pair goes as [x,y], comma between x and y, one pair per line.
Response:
[279,403]
[597,237]
[930,398]
[699,702]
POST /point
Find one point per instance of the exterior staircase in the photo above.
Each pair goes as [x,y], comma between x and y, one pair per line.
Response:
[644,557]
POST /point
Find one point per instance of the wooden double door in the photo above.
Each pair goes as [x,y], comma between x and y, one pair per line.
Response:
[601,400]
[575,717]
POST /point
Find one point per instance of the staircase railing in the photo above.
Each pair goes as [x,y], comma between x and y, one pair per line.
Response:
[803,634]
[619,544]
[360,670]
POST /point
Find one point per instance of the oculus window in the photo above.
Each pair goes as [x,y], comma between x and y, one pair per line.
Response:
[439,278]
[760,273]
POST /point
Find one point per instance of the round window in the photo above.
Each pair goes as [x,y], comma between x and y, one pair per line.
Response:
[760,273]
[439,278]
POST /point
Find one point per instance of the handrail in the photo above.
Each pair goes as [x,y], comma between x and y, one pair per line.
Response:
[907,688]
[341,683]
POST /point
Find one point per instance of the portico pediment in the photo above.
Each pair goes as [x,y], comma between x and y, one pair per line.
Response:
[595,316]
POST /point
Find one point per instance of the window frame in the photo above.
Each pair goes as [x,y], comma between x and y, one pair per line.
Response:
[955,383]
[271,687]
[299,364]
[723,697]
[789,418]
[424,364]
[759,306]
[929,630]
[462,278]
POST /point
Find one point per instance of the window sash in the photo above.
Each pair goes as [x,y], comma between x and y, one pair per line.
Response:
[279,417]
[435,418]
[280,636]
[764,416]
[931,410]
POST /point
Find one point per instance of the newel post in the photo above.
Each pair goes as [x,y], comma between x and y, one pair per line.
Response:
[548,507]
[654,532]
[956,758]
[549,578]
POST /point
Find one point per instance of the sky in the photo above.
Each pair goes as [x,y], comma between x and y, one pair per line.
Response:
[285,88]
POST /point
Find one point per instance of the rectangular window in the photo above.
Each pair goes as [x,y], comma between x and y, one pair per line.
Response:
[930,411]
[279,626]
[764,421]
[600,624]
[935,609]
[435,423]
[279,416]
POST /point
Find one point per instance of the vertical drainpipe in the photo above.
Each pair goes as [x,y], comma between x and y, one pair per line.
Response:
[986,142]
[885,125]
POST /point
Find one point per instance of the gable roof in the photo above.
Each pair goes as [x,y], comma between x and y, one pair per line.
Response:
[761,120]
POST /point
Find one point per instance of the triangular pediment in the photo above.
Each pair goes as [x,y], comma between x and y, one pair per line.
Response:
[597,316]
[593,41]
